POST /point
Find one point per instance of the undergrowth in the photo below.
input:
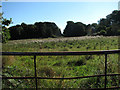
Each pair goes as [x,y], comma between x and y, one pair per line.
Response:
[61,66]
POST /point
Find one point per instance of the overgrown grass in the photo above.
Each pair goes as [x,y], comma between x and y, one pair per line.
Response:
[61,66]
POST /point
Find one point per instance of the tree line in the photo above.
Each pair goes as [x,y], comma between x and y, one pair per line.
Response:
[109,26]
[37,30]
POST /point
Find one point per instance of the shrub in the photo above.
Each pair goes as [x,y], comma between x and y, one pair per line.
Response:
[47,71]
[5,35]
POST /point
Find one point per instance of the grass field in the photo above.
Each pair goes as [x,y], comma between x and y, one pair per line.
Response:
[61,66]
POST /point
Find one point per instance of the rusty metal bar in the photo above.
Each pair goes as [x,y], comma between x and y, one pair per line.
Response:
[59,78]
[105,70]
[61,53]
[35,71]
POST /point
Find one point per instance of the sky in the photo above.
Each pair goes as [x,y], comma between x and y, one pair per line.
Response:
[57,12]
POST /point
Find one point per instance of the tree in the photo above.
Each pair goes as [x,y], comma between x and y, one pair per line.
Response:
[104,22]
[69,29]
[5,31]
[102,32]
[110,24]
[37,30]
[74,29]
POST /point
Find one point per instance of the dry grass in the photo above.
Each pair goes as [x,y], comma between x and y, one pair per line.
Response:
[8,60]
[26,41]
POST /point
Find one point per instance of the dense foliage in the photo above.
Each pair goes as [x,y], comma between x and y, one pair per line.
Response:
[38,30]
[75,29]
[5,31]
[5,34]
[109,26]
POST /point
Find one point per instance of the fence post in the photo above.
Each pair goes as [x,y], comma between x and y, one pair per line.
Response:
[35,71]
[105,70]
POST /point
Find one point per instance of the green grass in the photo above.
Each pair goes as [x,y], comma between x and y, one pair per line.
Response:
[61,66]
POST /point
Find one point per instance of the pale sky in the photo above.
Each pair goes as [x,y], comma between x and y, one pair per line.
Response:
[57,12]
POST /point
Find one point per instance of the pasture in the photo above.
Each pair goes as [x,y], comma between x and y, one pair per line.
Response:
[61,66]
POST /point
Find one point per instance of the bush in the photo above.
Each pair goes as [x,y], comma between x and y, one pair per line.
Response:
[102,32]
[5,35]
[5,31]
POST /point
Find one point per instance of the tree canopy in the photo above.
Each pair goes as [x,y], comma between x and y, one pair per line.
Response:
[109,26]
[5,31]
[74,29]
[37,30]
